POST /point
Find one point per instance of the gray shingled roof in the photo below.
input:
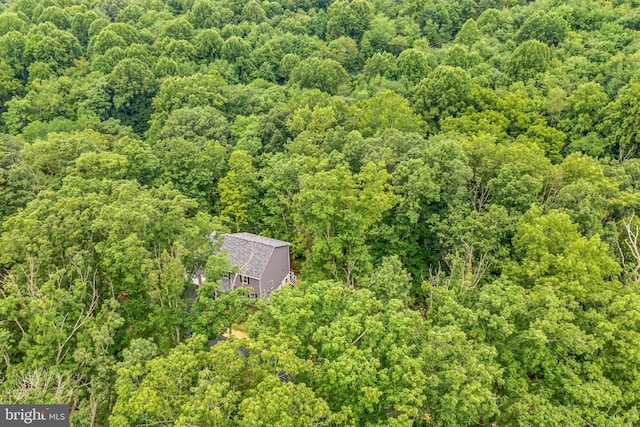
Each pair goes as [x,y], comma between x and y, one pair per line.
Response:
[250,253]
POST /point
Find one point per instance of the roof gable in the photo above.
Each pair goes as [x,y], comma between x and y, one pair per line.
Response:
[258,239]
[250,253]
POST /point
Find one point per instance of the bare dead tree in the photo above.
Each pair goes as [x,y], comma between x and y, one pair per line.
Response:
[40,381]
[621,253]
[468,268]
[348,271]
[32,288]
[436,280]
[551,188]
[83,317]
[476,271]
[6,358]
[480,195]
[624,155]
[632,243]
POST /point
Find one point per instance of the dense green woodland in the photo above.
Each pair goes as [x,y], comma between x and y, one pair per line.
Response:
[460,180]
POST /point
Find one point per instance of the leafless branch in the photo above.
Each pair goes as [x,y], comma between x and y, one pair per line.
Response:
[82,317]
[621,252]
[624,155]
[358,338]
[477,272]
[632,243]
[5,356]
[348,270]
[480,195]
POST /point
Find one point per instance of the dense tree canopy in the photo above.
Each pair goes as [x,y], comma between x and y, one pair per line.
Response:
[459,181]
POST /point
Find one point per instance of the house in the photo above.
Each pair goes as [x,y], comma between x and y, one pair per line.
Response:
[259,262]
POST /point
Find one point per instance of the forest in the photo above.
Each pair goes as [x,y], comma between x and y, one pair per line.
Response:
[459,180]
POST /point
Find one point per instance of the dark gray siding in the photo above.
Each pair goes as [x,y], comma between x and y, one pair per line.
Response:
[277,269]
[253,283]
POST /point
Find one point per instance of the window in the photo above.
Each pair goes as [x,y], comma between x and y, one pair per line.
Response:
[251,295]
[244,280]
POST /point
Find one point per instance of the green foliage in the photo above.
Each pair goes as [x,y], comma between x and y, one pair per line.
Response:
[45,43]
[253,12]
[10,21]
[192,166]
[324,74]
[414,64]
[458,181]
[387,110]
[133,86]
[469,33]
[56,16]
[12,51]
[529,59]
[208,44]
[445,92]
[238,191]
[205,14]
[18,182]
[106,257]
[621,121]
[378,37]
[551,250]
[549,139]
[216,386]
[585,114]
[344,50]
[381,64]
[113,259]
[549,28]
[196,124]
[9,85]
[349,19]
[333,213]
[198,90]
